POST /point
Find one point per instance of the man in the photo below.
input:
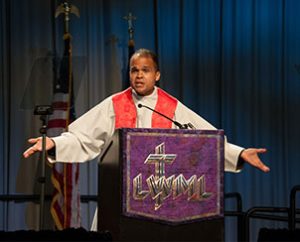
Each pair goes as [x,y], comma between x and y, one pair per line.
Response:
[89,133]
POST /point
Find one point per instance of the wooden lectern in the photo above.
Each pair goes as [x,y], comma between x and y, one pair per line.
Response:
[162,185]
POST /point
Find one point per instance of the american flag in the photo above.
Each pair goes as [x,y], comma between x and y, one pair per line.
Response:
[65,205]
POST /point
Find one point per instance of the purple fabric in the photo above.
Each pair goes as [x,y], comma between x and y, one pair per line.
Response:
[199,152]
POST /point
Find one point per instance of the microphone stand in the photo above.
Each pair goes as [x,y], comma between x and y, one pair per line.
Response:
[179,125]
[43,111]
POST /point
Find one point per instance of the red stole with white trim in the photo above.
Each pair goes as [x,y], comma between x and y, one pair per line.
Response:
[126,115]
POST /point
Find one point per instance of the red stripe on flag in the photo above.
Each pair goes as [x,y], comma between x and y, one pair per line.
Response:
[57,123]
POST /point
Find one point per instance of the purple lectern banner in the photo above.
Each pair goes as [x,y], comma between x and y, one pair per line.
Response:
[173,176]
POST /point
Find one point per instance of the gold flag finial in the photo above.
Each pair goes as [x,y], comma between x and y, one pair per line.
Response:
[129,18]
[66,8]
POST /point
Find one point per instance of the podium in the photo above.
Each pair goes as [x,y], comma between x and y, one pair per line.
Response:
[162,185]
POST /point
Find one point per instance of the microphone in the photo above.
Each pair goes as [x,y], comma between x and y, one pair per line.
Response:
[191,126]
[181,126]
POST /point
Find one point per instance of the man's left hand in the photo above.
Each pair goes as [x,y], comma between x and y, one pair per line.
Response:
[250,156]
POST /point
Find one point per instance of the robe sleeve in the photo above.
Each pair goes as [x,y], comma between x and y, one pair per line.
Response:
[185,115]
[87,135]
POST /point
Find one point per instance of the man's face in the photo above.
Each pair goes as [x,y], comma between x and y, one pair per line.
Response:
[143,75]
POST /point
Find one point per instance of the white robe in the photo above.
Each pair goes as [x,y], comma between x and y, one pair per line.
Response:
[88,134]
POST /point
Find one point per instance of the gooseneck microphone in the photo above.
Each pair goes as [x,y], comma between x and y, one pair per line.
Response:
[181,126]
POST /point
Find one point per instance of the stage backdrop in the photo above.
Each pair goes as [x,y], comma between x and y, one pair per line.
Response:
[235,62]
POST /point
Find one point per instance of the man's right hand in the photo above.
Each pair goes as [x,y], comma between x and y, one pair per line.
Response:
[38,146]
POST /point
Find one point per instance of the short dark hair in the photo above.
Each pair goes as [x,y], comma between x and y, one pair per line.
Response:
[146,53]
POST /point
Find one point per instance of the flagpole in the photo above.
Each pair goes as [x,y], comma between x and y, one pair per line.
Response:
[129,18]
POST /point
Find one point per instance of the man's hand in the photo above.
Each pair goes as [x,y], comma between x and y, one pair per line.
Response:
[38,146]
[251,157]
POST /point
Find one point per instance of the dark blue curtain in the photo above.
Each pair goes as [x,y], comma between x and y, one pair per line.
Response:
[234,62]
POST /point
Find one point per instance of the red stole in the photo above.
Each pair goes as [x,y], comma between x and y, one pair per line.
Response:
[125,109]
